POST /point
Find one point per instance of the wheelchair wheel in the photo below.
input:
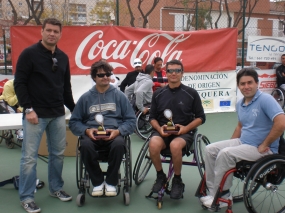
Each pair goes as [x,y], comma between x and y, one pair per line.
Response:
[143,127]
[279,97]
[264,189]
[237,189]
[10,142]
[201,141]
[142,165]
[126,197]
[80,199]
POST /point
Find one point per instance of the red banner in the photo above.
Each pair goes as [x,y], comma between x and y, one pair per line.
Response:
[205,50]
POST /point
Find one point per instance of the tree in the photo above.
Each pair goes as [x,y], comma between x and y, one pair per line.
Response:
[103,12]
[144,14]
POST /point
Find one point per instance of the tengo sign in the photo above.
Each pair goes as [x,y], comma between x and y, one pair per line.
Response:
[205,50]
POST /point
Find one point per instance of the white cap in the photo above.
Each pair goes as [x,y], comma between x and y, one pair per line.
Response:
[137,63]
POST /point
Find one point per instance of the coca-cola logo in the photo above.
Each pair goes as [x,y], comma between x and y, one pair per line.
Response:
[114,50]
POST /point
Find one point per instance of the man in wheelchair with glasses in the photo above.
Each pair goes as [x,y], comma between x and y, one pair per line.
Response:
[261,121]
[183,102]
[118,120]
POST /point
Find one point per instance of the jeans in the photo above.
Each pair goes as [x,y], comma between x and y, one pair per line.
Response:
[56,140]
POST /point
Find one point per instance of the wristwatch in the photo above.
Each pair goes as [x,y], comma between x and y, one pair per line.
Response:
[29,110]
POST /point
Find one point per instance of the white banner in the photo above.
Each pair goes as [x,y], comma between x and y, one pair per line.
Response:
[265,48]
[216,89]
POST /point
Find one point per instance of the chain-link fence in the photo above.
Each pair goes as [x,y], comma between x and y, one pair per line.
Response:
[251,17]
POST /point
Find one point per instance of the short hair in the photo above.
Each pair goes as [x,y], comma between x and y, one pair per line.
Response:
[247,72]
[174,61]
[156,59]
[148,69]
[52,21]
[282,55]
[100,65]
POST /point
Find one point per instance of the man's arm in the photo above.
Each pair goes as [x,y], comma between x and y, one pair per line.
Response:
[280,75]
[67,95]
[140,94]
[276,131]
[130,91]
[124,83]
[237,132]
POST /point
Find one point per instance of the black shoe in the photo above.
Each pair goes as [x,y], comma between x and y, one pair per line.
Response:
[62,195]
[177,188]
[159,182]
[31,207]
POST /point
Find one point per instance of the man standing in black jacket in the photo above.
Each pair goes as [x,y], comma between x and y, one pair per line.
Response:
[131,76]
[280,73]
[42,85]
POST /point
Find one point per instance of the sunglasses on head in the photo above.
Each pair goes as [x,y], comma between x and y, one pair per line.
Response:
[174,70]
[137,63]
[101,75]
[54,65]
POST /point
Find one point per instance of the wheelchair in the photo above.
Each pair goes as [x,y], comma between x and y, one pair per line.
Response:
[262,188]
[143,127]
[278,94]
[144,163]
[83,180]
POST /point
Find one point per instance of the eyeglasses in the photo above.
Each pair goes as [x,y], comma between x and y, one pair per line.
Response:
[174,70]
[102,75]
[137,63]
[54,65]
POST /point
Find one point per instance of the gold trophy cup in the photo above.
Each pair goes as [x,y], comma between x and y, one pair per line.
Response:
[170,128]
[101,133]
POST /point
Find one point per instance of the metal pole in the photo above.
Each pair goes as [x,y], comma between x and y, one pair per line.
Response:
[5,61]
[117,12]
[243,32]
[196,14]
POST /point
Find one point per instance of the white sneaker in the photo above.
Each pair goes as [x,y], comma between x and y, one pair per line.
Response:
[208,203]
[110,190]
[98,190]
[205,198]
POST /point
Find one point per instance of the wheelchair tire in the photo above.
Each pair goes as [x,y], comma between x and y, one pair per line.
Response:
[126,197]
[278,95]
[264,188]
[10,143]
[128,164]
[201,141]
[80,200]
[128,139]
[79,166]
[142,165]
[143,127]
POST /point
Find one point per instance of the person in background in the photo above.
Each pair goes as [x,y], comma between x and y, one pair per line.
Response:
[131,76]
[142,89]
[159,78]
[9,96]
[280,74]
[42,85]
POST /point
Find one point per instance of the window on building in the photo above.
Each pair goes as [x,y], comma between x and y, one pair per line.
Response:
[77,13]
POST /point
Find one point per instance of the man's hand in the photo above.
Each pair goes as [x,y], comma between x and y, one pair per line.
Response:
[162,133]
[32,117]
[90,133]
[283,74]
[145,110]
[113,134]
[182,129]
[263,149]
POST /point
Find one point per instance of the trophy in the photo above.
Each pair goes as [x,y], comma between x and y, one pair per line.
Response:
[101,133]
[170,128]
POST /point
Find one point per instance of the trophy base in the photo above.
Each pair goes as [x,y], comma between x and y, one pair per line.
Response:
[171,129]
[102,134]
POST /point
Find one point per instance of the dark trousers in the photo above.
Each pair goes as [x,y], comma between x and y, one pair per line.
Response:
[90,153]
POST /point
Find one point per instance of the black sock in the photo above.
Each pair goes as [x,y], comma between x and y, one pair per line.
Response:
[177,176]
[160,172]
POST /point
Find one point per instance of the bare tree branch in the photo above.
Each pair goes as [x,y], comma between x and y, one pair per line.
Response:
[15,15]
[145,16]
[132,21]
[228,13]
[220,14]
[34,12]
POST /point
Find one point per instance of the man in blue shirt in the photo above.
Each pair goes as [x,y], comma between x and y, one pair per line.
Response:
[261,121]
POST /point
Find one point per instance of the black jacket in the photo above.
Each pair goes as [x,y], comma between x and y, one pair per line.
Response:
[38,86]
[129,80]
[279,77]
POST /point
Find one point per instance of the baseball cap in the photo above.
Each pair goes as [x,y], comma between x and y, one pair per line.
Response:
[137,63]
